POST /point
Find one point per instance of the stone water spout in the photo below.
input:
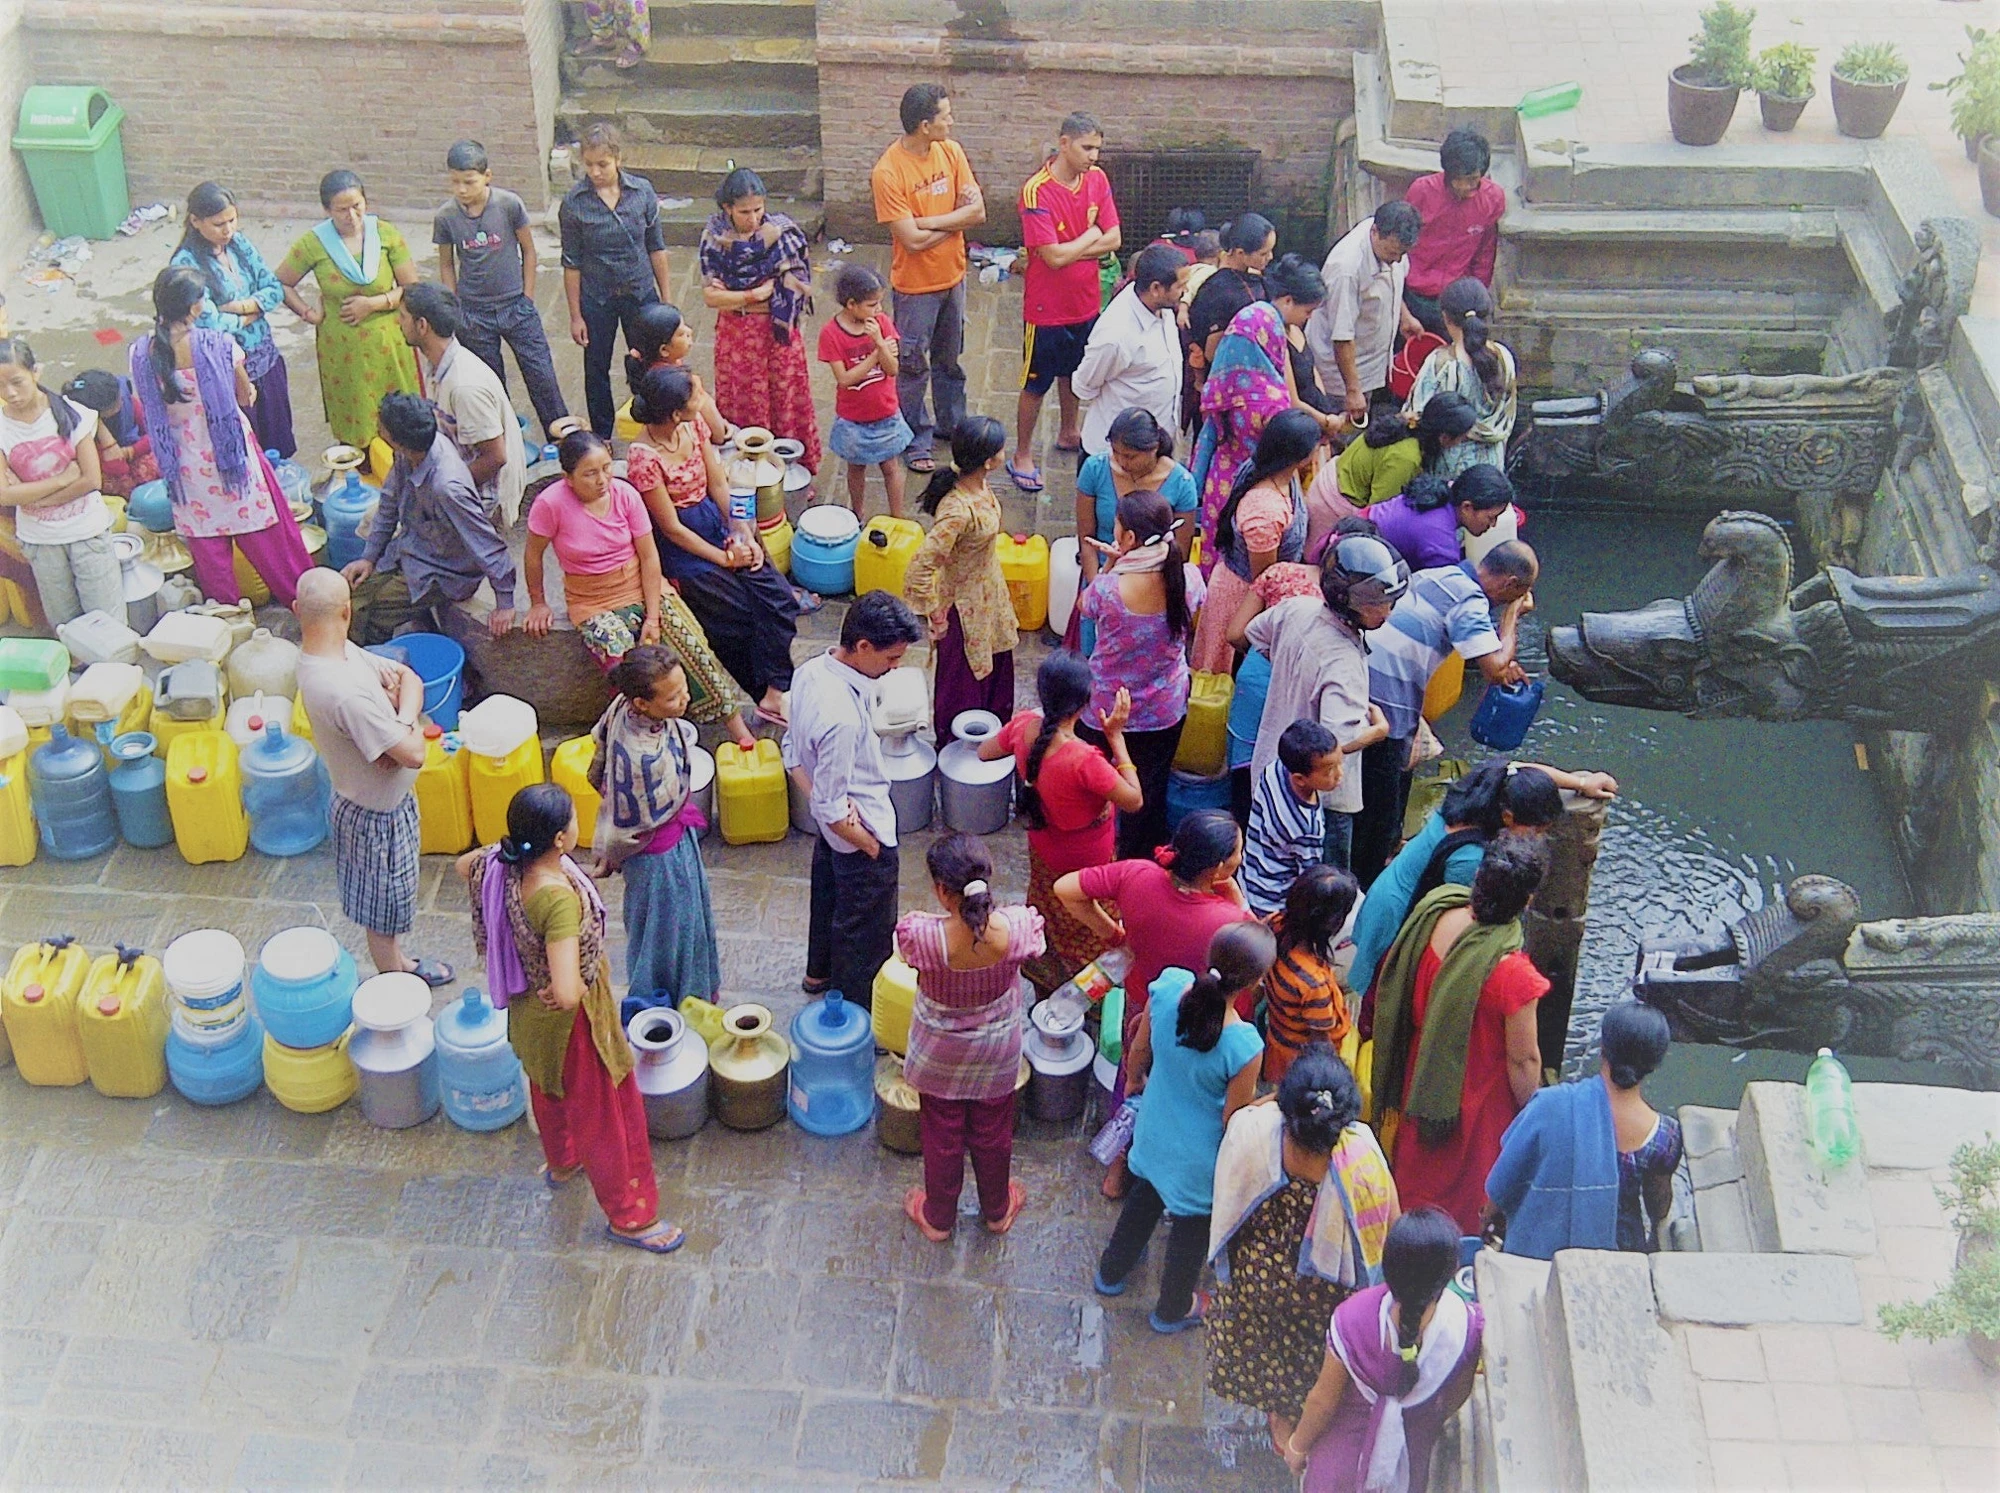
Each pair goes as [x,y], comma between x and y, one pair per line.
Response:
[1907,653]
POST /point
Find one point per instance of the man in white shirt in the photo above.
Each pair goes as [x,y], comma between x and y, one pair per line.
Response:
[1352,335]
[851,930]
[1133,359]
[472,403]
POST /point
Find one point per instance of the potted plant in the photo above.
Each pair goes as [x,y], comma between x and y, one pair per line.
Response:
[1783,78]
[1702,92]
[1969,1305]
[1868,84]
[1975,92]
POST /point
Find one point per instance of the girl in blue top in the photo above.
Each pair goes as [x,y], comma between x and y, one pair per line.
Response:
[1196,1061]
[242,294]
[1140,458]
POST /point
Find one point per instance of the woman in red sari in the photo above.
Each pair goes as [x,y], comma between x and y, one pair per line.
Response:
[1456,1055]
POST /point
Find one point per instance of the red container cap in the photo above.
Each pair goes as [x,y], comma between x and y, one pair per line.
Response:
[256,723]
[33,993]
[197,774]
[108,1006]
[432,731]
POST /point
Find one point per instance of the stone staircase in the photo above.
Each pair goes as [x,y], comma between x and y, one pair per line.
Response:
[725,83]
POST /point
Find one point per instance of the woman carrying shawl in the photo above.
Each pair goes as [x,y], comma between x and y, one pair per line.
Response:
[647,825]
[242,294]
[755,273]
[539,926]
[191,384]
[1245,390]
[1456,1055]
[360,265]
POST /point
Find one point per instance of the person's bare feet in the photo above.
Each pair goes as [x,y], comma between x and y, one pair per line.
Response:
[1117,1180]
[740,733]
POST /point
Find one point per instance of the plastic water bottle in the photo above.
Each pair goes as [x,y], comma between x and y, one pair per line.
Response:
[1830,1110]
[1551,100]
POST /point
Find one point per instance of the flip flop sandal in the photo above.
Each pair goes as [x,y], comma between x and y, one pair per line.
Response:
[814,985]
[924,465]
[625,61]
[771,718]
[660,1239]
[551,1181]
[1197,1315]
[1070,450]
[809,601]
[1017,1199]
[1104,1287]
[1029,481]
[434,973]
[913,1209]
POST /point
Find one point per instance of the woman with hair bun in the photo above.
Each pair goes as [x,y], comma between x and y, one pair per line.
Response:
[539,926]
[1590,1165]
[965,1036]
[1399,1363]
[1478,369]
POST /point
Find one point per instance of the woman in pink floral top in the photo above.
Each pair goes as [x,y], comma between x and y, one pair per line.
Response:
[192,388]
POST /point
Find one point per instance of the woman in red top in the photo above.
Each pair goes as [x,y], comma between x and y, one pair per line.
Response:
[1456,974]
[1067,793]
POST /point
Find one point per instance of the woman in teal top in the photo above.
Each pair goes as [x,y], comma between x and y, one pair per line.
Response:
[1140,457]
[1196,1061]
[1496,795]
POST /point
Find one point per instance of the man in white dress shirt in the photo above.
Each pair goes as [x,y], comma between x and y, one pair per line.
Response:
[1133,359]
[1352,335]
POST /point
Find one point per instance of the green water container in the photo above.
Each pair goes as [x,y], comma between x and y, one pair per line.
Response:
[69,138]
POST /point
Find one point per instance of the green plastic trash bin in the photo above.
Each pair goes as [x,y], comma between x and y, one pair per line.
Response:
[69,138]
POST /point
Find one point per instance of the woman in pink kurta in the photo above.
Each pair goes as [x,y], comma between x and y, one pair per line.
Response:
[1262,524]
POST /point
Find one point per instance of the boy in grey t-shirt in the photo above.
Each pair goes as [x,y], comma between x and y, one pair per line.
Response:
[486,255]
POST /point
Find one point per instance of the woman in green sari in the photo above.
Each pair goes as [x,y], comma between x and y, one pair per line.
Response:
[360,265]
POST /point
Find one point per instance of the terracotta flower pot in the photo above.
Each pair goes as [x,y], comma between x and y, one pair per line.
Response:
[1989,174]
[1862,111]
[1972,144]
[1781,114]
[1699,114]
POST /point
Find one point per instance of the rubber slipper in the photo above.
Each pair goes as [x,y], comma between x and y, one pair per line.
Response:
[1197,1315]
[1017,1199]
[552,1181]
[434,972]
[814,985]
[923,464]
[1069,450]
[913,1209]
[808,601]
[1029,481]
[660,1239]
[772,717]
[1104,1287]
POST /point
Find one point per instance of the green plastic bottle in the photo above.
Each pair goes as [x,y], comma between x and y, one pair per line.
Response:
[1830,1110]
[1551,100]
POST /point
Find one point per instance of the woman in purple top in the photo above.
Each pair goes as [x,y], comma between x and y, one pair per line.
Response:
[1400,1359]
[1143,602]
[1422,522]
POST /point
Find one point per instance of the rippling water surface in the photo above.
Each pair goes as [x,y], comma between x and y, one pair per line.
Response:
[1712,816]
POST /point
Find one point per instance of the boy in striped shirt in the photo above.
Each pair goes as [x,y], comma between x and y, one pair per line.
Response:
[1287,825]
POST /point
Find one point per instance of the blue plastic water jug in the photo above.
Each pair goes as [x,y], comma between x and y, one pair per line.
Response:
[347,506]
[293,480]
[139,790]
[286,792]
[221,1074]
[303,987]
[151,507]
[1503,717]
[72,796]
[832,1089]
[484,1088]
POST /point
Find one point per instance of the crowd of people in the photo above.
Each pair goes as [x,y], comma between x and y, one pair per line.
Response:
[1331,1071]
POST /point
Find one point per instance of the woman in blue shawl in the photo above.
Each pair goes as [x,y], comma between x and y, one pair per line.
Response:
[242,294]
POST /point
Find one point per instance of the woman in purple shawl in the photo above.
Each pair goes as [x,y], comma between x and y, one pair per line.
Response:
[193,388]
[1399,1363]
[755,273]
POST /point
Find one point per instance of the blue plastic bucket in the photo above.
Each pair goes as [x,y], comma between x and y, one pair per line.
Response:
[440,663]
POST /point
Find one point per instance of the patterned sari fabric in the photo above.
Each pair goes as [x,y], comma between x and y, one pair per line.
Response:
[761,375]
[1444,371]
[1245,389]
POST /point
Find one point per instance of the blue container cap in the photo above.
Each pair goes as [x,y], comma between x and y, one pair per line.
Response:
[832,1026]
[471,1022]
[275,752]
[133,745]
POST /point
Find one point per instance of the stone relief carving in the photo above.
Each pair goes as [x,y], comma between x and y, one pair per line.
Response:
[1936,291]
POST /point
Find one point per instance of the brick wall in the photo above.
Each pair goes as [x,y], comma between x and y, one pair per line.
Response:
[268,98]
[543,22]
[18,222]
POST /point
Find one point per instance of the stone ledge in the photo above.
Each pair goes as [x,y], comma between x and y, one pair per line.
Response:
[1916,1128]
[149,17]
[1722,1218]
[1174,60]
[555,674]
[1521,1403]
[1726,1289]
[1796,1206]
[1771,227]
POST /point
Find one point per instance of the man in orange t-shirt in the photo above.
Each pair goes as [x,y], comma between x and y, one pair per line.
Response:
[925,192]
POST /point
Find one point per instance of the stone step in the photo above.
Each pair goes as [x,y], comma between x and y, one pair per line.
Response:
[1517,1398]
[1798,1206]
[682,225]
[696,170]
[705,61]
[743,118]
[719,18]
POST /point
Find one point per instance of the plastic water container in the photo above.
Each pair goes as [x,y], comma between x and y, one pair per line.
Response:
[72,797]
[892,1000]
[751,799]
[151,507]
[1446,684]
[189,692]
[302,726]
[882,557]
[205,798]
[479,1077]
[394,1051]
[498,724]
[40,709]
[122,1021]
[139,791]
[444,794]
[348,505]
[267,662]
[776,535]
[32,664]
[217,1073]
[99,638]
[494,781]
[1505,713]
[1246,706]
[180,636]
[107,701]
[440,664]
[303,987]
[823,549]
[294,481]
[1204,747]
[1187,792]
[1830,1110]
[204,971]
[13,732]
[569,767]
[286,792]
[18,836]
[1065,580]
[38,1006]
[247,713]
[311,1080]
[1024,561]
[832,1088]
[701,781]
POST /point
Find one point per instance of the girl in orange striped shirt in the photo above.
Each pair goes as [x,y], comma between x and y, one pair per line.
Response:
[1303,1001]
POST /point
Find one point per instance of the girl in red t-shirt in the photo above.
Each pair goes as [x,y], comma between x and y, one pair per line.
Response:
[859,344]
